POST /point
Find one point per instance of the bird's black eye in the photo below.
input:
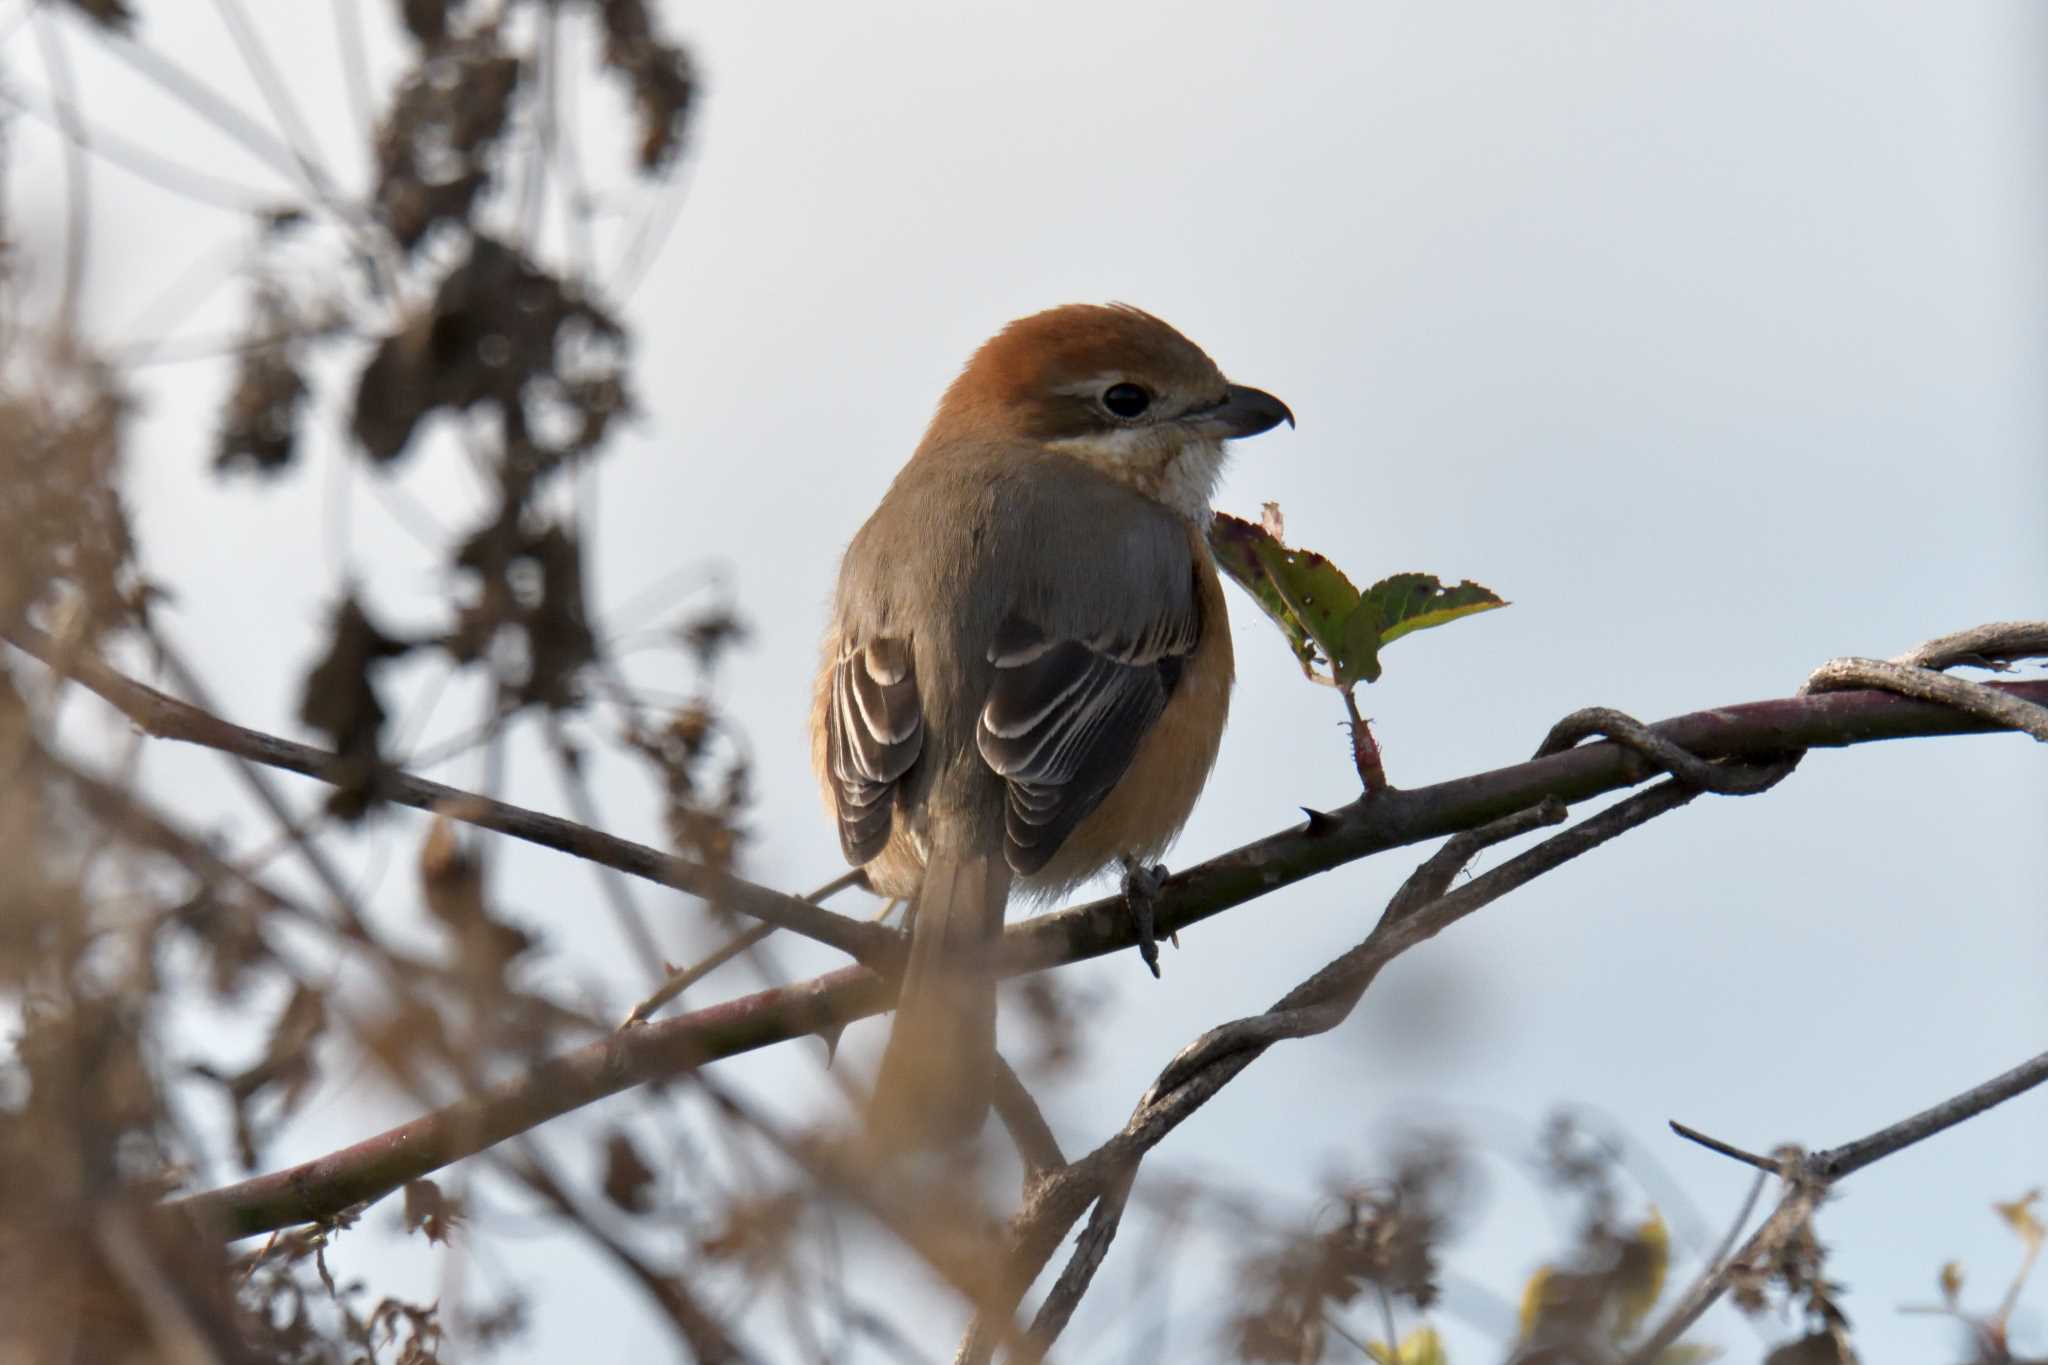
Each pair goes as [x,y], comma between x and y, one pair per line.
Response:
[1126,400]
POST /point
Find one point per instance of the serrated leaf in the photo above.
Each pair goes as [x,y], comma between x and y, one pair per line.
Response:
[1326,620]
[1303,593]
[1409,602]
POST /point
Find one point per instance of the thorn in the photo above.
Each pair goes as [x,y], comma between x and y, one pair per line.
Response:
[1320,822]
[1714,1144]
[829,1036]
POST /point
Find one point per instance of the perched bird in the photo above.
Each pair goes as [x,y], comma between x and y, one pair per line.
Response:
[1028,664]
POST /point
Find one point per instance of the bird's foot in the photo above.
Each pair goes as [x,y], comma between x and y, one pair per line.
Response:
[1142,883]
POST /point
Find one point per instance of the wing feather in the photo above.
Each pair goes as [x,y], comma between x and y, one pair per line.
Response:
[1064,719]
[874,733]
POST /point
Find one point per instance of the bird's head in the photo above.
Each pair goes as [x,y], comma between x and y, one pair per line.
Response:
[1114,387]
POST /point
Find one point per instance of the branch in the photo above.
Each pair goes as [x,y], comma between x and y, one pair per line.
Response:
[1418,911]
[1382,820]
[168,718]
[1808,1179]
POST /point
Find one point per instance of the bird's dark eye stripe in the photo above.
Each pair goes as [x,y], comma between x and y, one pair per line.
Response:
[1126,400]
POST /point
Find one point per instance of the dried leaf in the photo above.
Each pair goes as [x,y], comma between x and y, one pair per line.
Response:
[1817,1348]
[260,425]
[2019,1215]
[109,14]
[434,147]
[628,1181]
[451,879]
[341,702]
[658,74]
[498,326]
[69,552]
[430,1211]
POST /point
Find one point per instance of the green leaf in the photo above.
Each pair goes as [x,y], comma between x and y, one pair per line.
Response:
[1328,622]
[1306,595]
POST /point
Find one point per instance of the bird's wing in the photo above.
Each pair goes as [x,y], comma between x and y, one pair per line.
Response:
[1100,623]
[1068,707]
[874,731]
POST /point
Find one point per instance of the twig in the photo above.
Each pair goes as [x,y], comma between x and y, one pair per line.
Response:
[298,137]
[626,912]
[375,1166]
[168,718]
[259,785]
[1916,673]
[700,1331]
[77,177]
[1996,646]
[1978,699]
[954,1244]
[1851,1157]
[1027,1127]
[1089,1250]
[681,980]
[1722,1252]
[1722,778]
[1417,912]
[1808,1179]
[1317,1005]
[1767,1165]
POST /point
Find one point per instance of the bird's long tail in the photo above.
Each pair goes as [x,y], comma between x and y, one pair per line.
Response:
[938,1071]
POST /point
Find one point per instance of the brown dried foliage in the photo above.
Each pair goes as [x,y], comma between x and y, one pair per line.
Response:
[435,146]
[68,558]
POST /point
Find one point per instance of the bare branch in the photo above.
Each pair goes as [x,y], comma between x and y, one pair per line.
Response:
[1916,673]
[1768,1165]
[1979,699]
[1027,1126]
[168,718]
[1810,1177]
[1837,1162]
[679,981]
[1996,646]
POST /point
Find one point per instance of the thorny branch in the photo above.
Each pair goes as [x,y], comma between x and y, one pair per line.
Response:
[1382,820]
[1423,907]
[1417,912]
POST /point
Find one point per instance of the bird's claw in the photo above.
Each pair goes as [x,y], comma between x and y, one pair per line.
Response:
[1142,883]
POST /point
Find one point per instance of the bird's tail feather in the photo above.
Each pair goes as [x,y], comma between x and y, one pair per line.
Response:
[938,1071]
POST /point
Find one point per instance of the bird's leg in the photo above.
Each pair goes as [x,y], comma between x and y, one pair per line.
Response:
[1142,884]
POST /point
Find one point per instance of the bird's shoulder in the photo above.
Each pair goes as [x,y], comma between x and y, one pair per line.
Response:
[979,534]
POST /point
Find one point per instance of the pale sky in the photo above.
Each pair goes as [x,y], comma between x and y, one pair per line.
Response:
[1715,336]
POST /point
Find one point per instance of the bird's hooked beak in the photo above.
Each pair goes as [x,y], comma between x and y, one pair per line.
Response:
[1244,411]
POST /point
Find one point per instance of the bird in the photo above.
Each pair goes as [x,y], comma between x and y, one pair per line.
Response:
[1027,667]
